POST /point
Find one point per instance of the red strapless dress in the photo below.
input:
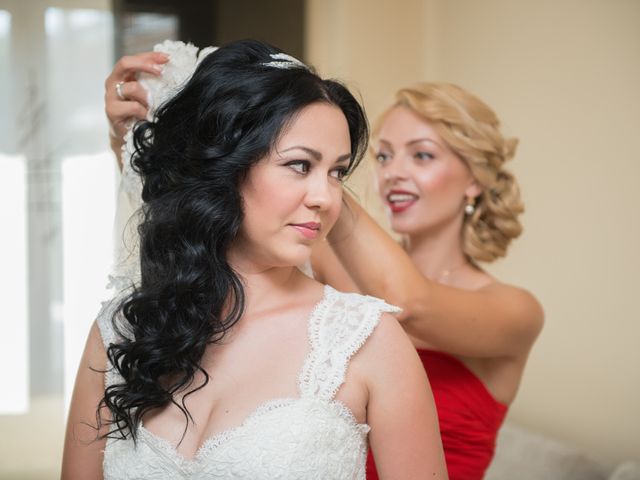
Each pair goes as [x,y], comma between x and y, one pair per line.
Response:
[469,417]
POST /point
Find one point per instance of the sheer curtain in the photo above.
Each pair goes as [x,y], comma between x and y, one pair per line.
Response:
[13,255]
[56,208]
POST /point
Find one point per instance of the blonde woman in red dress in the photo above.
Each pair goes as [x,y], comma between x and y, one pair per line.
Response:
[440,172]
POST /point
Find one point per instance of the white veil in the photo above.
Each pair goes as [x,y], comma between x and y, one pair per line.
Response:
[183,60]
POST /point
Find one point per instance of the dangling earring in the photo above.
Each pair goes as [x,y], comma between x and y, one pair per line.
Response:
[470,206]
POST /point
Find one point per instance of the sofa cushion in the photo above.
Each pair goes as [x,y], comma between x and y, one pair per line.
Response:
[626,471]
[526,455]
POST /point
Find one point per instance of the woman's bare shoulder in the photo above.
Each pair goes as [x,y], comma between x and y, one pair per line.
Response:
[388,345]
[522,304]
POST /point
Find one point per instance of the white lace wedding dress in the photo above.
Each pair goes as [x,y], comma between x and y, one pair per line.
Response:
[311,437]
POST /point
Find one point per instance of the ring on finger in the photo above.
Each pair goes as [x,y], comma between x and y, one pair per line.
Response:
[119,91]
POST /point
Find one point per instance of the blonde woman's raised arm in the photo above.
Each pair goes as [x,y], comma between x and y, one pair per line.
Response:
[497,320]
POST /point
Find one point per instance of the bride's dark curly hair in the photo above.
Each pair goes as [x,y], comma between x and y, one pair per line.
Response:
[193,159]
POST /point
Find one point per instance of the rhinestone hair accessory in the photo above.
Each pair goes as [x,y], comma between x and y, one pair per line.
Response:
[282,60]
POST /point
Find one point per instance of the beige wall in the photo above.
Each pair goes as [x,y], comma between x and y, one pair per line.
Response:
[565,78]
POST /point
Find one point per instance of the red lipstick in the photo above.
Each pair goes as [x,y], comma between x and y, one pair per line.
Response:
[400,200]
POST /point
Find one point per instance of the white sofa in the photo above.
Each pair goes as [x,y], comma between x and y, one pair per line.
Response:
[525,455]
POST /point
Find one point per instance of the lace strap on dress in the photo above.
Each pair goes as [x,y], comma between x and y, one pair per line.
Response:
[338,327]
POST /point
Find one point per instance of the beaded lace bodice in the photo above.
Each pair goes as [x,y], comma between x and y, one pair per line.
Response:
[313,436]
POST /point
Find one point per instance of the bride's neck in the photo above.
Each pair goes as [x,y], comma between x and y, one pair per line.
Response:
[263,285]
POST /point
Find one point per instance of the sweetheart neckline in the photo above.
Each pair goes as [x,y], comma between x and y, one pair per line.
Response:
[164,446]
[217,439]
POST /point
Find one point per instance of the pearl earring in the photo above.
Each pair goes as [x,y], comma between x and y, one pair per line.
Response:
[470,207]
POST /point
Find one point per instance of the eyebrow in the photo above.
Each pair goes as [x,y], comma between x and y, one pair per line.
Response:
[316,154]
[412,142]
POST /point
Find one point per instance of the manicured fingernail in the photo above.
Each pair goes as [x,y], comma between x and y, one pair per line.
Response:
[158,67]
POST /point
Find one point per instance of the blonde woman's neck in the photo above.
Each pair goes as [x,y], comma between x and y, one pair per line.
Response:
[437,253]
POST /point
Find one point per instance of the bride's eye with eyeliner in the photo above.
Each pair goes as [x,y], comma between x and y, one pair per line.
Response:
[299,166]
[339,173]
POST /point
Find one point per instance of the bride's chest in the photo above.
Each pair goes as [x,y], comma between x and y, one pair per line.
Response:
[296,438]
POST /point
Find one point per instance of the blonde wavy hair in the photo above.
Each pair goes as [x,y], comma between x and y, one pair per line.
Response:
[472,130]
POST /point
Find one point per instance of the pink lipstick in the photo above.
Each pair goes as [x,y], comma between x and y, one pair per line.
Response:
[309,230]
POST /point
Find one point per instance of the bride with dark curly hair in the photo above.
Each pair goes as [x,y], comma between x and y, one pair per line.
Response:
[224,360]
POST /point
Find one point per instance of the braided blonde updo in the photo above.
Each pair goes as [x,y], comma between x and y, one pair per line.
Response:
[472,130]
